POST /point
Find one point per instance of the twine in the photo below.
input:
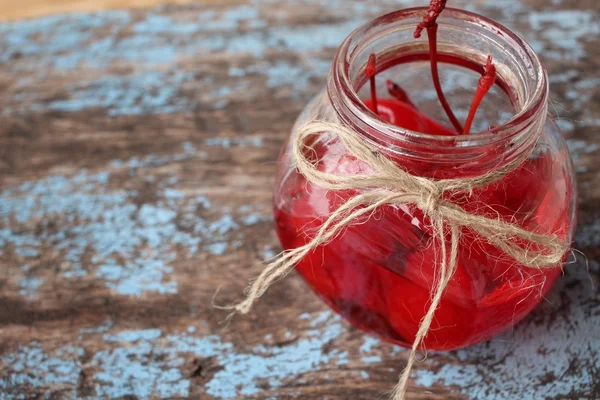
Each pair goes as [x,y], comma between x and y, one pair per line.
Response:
[388,184]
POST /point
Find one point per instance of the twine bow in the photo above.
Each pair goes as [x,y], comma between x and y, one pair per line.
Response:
[388,184]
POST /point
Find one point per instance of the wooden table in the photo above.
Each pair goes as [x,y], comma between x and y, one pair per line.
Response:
[16,9]
[137,158]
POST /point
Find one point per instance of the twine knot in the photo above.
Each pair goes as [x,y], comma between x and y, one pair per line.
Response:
[431,198]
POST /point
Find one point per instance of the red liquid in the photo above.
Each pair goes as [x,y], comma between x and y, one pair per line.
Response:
[379,273]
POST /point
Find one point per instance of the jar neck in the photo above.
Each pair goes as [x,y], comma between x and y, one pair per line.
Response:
[461,36]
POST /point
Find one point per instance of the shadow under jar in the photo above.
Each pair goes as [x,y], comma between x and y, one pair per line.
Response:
[379,272]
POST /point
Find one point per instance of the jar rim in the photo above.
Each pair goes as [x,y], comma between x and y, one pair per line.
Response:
[533,104]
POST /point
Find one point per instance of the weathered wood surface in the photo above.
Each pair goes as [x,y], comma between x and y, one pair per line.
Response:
[17,9]
[137,151]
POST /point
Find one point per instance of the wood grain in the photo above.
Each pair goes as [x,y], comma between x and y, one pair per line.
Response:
[137,154]
[15,9]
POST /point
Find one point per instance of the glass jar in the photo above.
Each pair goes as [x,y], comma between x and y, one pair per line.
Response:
[379,273]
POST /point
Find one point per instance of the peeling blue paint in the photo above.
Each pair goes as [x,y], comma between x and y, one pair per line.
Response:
[132,371]
[322,36]
[556,355]
[139,276]
[134,336]
[241,13]
[159,24]
[157,42]
[369,343]
[228,142]
[589,234]
[20,240]
[564,76]
[202,32]
[55,35]
[223,225]
[342,359]
[257,24]
[269,254]
[236,72]
[246,370]
[103,327]
[565,125]
[321,317]
[148,362]
[173,194]
[254,219]
[371,360]
[565,30]
[54,39]
[296,75]
[30,286]
[217,249]
[138,93]
[27,252]
[131,246]
[579,148]
[31,366]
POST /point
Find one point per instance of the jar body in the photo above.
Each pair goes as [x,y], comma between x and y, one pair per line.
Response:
[380,271]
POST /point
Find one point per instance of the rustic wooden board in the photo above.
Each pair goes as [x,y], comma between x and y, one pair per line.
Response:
[17,9]
[137,151]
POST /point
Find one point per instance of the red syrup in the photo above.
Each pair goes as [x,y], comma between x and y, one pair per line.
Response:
[379,273]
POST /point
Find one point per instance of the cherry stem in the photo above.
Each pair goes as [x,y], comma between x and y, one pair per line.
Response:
[435,9]
[486,82]
[398,93]
[432,36]
[370,72]
[429,22]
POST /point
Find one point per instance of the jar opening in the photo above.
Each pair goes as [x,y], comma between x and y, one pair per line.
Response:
[464,40]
